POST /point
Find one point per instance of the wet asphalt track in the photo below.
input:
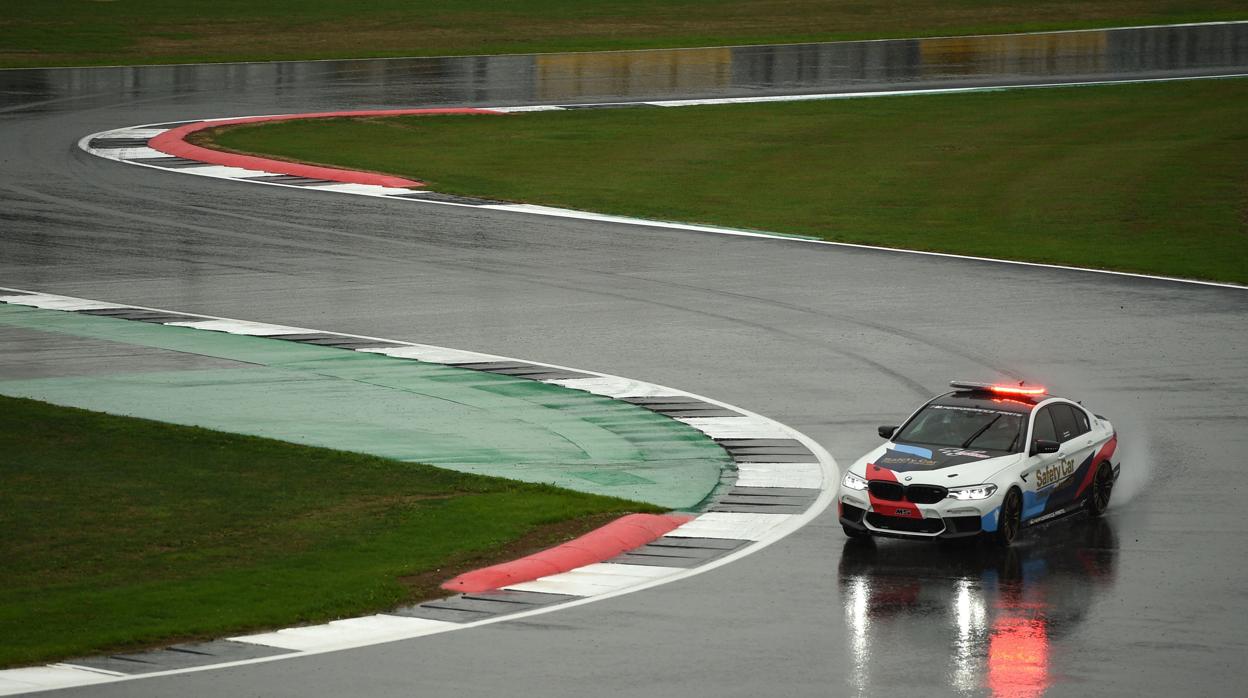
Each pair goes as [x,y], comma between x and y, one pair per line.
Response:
[831,341]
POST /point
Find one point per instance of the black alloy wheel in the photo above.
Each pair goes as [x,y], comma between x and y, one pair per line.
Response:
[1102,488]
[1010,520]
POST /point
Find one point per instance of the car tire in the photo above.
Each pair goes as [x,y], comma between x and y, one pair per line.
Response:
[1101,490]
[852,532]
[1009,520]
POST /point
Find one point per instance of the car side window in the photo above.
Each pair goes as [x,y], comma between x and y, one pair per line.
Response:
[1044,426]
[1064,421]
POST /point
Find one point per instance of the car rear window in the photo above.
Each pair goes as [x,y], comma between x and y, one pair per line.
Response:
[1081,420]
[964,427]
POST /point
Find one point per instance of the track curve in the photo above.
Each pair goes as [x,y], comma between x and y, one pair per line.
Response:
[832,341]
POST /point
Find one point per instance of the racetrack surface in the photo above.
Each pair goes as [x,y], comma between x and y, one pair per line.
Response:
[831,341]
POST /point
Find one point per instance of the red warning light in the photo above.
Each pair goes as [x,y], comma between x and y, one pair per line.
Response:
[1019,389]
[999,389]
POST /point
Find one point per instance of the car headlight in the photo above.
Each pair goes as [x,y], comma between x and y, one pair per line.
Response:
[972,492]
[853,482]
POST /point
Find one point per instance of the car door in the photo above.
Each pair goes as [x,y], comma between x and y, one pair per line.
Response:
[1041,474]
[1078,449]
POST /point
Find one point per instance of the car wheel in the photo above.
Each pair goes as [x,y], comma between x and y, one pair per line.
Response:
[1102,488]
[854,533]
[1010,520]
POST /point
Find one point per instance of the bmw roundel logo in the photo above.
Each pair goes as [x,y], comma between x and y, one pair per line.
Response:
[909,478]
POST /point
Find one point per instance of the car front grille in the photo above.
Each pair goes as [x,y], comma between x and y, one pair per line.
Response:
[916,494]
[890,491]
[926,494]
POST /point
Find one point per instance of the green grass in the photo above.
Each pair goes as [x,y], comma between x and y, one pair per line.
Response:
[1146,178]
[90,32]
[118,533]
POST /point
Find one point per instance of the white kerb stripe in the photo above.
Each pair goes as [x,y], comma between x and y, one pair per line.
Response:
[52,676]
[438,355]
[351,632]
[115,133]
[222,171]
[806,475]
[129,153]
[517,110]
[366,189]
[253,329]
[737,427]
[618,570]
[612,386]
[813,469]
[138,132]
[563,585]
[50,302]
[731,525]
[601,578]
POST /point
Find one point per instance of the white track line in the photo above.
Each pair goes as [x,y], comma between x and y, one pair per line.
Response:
[222,172]
[592,582]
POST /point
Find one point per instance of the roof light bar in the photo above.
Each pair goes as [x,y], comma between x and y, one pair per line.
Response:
[1019,389]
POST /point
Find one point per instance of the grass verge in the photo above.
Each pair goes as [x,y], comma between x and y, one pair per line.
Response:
[121,533]
[1146,178]
[74,32]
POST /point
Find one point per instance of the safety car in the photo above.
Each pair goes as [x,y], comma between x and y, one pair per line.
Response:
[982,460]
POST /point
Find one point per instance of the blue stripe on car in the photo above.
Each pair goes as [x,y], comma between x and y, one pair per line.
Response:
[988,522]
[1033,504]
[913,450]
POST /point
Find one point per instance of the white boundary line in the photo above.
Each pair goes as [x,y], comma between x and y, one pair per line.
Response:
[531,209]
[788,524]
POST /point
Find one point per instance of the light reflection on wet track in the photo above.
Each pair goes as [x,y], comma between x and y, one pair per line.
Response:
[997,610]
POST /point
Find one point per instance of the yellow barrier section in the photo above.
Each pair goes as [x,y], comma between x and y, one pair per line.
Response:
[1018,54]
[576,75]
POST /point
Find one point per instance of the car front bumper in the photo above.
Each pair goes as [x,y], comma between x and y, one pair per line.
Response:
[943,520]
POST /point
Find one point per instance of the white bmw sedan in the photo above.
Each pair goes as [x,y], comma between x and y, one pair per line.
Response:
[982,460]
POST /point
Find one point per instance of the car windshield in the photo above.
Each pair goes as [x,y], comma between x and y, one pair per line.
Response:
[964,427]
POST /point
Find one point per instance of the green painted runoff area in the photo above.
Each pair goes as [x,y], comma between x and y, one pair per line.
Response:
[119,533]
[464,420]
[79,32]
[1142,178]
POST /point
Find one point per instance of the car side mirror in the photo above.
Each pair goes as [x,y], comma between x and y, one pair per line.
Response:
[1044,446]
[886,432]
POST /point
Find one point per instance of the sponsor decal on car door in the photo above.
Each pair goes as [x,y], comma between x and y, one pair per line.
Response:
[1042,474]
[1056,477]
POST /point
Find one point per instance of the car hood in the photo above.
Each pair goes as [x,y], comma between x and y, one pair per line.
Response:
[949,466]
